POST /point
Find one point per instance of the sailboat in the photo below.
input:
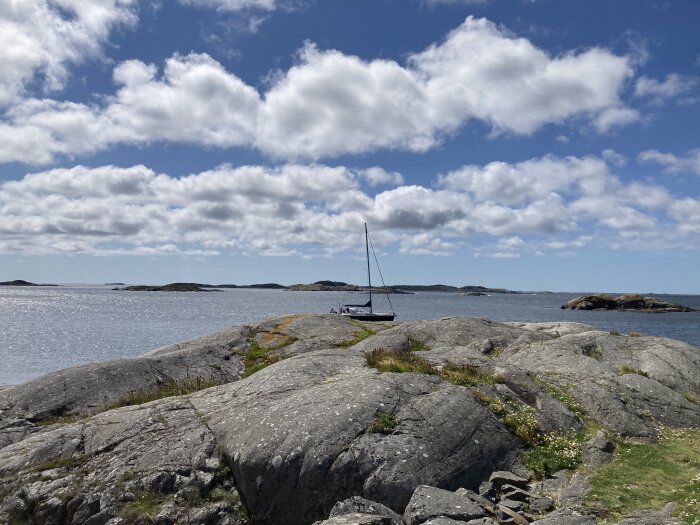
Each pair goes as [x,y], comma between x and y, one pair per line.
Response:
[364,312]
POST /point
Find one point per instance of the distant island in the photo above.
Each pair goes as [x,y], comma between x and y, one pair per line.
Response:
[20,282]
[318,286]
[194,287]
[629,302]
[339,286]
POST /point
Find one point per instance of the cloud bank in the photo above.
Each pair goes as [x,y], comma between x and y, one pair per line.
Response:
[329,103]
[542,205]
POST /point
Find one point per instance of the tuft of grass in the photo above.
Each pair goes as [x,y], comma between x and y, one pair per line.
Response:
[549,452]
[173,388]
[222,494]
[519,418]
[58,420]
[496,352]
[592,350]
[69,463]
[398,361]
[146,505]
[468,375]
[361,334]
[648,476]
[564,396]
[384,423]
[417,346]
[626,370]
[615,332]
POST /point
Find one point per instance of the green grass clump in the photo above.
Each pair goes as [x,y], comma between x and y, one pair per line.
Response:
[384,423]
[398,361]
[57,420]
[554,452]
[417,346]
[519,418]
[549,452]
[173,388]
[361,334]
[222,494]
[468,375]
[564,396]
[69,463]
[146,505]
[648,476]
[626,370]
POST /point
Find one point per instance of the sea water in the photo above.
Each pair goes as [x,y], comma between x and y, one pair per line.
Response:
[43,329]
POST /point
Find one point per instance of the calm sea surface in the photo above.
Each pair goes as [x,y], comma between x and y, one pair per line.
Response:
[45,329]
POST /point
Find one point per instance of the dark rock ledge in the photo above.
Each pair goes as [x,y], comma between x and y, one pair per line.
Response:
[630,302]
[315,434]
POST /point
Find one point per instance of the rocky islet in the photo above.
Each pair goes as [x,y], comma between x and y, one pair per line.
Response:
[629,302]
[314,433]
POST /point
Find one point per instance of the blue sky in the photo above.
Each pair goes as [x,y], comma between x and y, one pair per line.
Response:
[538,145]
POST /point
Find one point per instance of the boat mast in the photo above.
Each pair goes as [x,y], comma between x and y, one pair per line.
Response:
[369,276]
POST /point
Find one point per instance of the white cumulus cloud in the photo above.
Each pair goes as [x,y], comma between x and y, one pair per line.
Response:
[331,104]
[560,204]
[41,39]
[671,163]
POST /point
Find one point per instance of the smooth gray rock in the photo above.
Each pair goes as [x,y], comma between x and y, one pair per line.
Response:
[297,435]
[463,332]
[477,498]
[588,365]
[356,519]
[556,329]
[159,447]
[540,504]
[501,478]
[357,504]
[294,438]
[598,450]
[90,389]
[430,502]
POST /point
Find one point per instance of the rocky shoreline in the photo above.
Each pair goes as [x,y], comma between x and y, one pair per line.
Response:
[303,419]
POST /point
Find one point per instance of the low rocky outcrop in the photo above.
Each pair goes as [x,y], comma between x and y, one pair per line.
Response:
[20,282]
[630,302]
[310,418]
[172,287]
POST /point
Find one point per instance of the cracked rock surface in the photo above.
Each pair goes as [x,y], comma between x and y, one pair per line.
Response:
[288,443]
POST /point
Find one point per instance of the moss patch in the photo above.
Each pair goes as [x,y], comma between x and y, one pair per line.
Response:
[174,388]
[361,333]
[648,476]
[417,346]
[384,423]
[691,397]
[258,357]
